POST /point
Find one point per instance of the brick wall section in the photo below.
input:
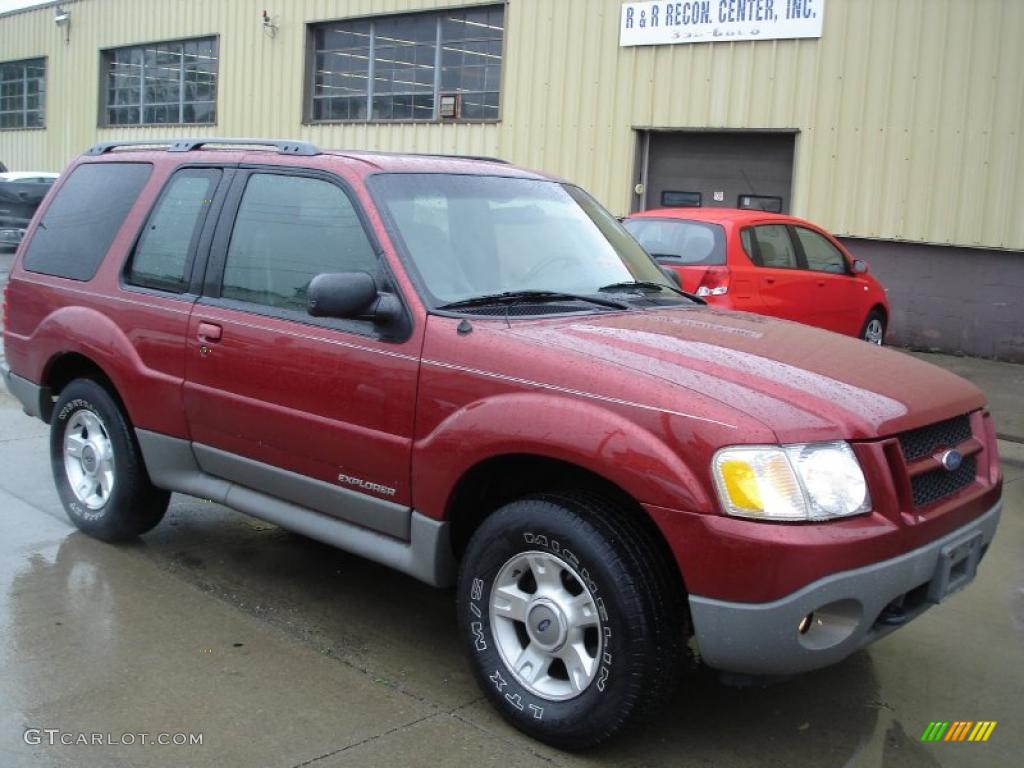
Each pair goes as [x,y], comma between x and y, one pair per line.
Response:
[956,300]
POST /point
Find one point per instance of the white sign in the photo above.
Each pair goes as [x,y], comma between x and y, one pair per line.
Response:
[661,22]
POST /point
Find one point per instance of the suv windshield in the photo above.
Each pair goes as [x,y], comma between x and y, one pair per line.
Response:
[682,243]
[473,236]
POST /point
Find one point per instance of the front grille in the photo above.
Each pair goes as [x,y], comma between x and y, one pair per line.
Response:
[924,441]
[940,483]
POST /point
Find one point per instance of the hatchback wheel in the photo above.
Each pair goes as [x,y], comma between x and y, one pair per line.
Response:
[571,617]
[98,468]
[874,328]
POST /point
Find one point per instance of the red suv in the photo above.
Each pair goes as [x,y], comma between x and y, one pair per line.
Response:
[766,263]
[473,374]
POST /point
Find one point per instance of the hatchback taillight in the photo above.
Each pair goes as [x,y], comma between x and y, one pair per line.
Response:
[715,282]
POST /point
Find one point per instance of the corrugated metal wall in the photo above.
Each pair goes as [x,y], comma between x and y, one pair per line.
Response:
[909,112]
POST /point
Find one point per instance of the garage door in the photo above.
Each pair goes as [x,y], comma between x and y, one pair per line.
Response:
[724,170]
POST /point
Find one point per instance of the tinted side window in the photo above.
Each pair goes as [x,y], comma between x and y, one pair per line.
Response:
[163,255]
[288,230]
[821,255]
[775,246]
[81,222]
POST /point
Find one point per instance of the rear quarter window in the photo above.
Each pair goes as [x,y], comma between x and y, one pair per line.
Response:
[83,219]
[163,256]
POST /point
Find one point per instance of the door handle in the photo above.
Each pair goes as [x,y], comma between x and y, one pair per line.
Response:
[769,281]
[821,283]
[208,332]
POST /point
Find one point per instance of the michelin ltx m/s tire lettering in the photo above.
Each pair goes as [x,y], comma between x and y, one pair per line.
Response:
[560,633]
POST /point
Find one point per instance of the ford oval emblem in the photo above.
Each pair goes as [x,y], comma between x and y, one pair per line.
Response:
[951,460]
[544,624]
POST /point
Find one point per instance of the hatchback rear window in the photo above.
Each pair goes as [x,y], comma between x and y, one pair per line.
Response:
[682,243]
[81,222]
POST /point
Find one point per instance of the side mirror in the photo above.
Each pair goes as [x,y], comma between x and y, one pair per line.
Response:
[355,296]
[860,267]
[672,275]
[341,294]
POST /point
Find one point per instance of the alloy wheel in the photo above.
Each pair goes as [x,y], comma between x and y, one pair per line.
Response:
[89,459]
[546,625]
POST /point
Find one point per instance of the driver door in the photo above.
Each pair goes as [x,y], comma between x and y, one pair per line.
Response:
[310,410]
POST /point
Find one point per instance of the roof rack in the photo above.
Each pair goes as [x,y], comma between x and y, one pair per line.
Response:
[477,158]
[284,146]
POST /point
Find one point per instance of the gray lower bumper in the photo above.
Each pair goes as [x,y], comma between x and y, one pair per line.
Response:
[31,395]
[765,638]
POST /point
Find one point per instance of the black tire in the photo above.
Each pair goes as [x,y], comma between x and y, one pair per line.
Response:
[644,624]
[134,505]
[868,331]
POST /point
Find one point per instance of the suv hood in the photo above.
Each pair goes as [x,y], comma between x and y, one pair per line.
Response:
[803,383]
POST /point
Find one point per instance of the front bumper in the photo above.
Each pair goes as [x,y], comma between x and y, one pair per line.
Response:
[848,609]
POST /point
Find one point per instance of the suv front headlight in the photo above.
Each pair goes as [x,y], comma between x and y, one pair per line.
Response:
[813,481]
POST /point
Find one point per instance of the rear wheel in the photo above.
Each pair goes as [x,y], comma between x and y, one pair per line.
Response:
[98,468]
[574,623]
[874,328]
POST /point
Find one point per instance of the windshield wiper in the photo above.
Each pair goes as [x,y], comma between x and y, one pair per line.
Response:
[642,285]
[514,297]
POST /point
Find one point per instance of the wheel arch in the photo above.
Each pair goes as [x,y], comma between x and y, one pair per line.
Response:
[883,312]
[63,368]
[486,486]
[76,341]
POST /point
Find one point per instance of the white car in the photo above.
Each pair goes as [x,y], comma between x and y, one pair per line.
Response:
[29,177]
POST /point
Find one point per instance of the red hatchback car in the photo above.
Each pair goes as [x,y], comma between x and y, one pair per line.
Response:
[766,263]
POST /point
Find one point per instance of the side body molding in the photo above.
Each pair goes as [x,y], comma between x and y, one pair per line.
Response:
[334,501]
[423,551]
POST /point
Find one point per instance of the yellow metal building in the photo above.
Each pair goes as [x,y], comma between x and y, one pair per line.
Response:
[901,121]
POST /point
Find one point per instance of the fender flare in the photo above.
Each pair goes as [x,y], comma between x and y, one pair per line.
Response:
[105,345]
[599,440]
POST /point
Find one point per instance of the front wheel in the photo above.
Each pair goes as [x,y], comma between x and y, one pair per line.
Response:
[98,468]
[571,617]
[873,331]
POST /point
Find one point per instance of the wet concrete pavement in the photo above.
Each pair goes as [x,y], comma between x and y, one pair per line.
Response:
[284,652]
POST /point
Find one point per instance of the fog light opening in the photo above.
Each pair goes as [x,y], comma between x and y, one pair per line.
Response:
[805,623]
[831,624]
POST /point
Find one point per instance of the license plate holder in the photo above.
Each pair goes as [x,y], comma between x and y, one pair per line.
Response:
[956,566]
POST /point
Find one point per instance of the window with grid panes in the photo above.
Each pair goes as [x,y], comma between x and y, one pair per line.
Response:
[22,91]
[162,83]
[397,67]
